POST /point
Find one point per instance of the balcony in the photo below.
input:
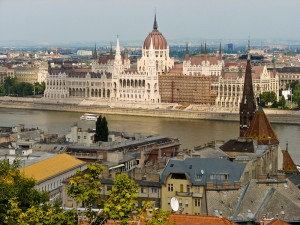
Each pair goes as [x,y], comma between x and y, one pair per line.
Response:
[184,194]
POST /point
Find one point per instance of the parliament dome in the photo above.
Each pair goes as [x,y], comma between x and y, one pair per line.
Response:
[158,40]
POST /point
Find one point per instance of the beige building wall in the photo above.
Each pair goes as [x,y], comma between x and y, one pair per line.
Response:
[189,196]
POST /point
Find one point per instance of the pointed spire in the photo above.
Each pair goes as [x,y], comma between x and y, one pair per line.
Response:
[201,49]
[95,56]
[248,53]
[126,55]
[205,50]
[111,50]
[274,64]
[118,51]
[220,52]
[187,55]
[247,105]
[155,23]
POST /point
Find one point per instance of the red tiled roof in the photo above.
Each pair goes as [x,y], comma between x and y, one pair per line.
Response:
[230,75]
[197,60]
[181,219]
[257,71]
[288,164]
[158,40]
[261,129]
[178,68]
[278,222]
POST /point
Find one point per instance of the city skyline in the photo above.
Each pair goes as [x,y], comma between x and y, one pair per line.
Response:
[95,21]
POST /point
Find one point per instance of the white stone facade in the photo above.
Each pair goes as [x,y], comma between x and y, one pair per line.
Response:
[204,64]
[111,80]
[230,87]
[163,62]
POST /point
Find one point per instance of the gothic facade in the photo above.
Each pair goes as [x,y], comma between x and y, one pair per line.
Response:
[230,86]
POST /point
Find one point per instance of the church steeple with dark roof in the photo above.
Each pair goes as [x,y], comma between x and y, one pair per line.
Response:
[247,105]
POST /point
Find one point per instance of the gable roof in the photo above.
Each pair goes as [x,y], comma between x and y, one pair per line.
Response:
[261,129]
[198,170]
[48,168]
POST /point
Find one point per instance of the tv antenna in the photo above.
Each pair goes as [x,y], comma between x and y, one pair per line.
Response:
[174,204]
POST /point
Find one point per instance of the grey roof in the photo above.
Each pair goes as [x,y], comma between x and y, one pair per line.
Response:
[198,170]
[256,200]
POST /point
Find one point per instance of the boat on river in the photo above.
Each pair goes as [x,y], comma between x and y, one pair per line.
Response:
[89,117]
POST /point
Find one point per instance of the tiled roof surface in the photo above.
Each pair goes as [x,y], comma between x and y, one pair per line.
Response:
[288,164]
[181,219]
[256,200]
[277,222]
[243,145]
[198,170]
[197,60]
[260,129]
[50,167]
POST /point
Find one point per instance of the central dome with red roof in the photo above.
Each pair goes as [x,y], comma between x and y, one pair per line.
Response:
[158,40]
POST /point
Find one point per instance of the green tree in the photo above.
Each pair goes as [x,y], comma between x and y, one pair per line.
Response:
[101,130]
[296,95]
[47,214]
[13,184]
[122,198]
[97,136]
[282,102]
[8,85]
[158,217]
[268,97]
[85,187]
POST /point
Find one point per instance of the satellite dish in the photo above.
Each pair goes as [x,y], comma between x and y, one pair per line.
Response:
[174,204]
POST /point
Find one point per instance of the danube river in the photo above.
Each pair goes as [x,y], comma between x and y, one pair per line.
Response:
[190,132]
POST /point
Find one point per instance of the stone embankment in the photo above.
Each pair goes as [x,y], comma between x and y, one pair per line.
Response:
[165,110]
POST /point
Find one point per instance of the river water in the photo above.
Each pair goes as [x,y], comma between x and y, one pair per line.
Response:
[190,132]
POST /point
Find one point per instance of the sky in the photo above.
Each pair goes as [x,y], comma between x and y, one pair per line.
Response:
[47,21]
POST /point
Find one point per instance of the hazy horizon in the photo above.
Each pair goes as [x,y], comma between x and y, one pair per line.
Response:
[66,21]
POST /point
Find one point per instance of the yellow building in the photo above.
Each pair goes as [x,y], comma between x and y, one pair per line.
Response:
[187,181]
[50,173]
[27,74]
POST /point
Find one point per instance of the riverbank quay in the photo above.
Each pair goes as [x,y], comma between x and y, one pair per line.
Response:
[163,110]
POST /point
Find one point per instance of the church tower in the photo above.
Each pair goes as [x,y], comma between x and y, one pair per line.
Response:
[247,105]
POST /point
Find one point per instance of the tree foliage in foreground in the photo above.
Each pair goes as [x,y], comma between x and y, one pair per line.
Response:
[21,203]
[85,187]
[101,130]
[122,198]
[45,214]
[14,185]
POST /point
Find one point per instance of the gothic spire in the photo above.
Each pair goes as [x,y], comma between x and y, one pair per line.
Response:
[220,52]
[201,49]
[187,55]
[95,56]
[118,50]
[205,50]
[155,23]
[111,50]
[247,105]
